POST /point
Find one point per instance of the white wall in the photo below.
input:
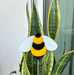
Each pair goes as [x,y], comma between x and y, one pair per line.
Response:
[13,30]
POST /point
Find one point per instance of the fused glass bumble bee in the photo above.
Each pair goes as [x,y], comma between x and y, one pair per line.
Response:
[38,45]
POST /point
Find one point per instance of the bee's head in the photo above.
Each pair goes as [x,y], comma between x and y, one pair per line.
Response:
[37,34]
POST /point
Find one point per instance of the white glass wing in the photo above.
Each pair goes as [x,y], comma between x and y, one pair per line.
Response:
[27,44]
[50,44]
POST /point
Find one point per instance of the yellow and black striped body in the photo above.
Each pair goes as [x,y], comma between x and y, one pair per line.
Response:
[38,48]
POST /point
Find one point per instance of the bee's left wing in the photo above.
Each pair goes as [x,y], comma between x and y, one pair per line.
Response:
[50,44]
[27,44]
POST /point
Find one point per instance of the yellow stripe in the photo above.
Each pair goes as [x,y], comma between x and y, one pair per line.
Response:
[38,52]
[38,40]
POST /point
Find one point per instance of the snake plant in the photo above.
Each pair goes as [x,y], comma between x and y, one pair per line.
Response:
[28,65]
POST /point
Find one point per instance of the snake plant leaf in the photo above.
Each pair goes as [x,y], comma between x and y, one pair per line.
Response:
[35,26]
[53,22]
[21,64]
[35,21]
[64,48]
[48,60]
[53,25]
[61,63]
[28,17]
[27,12]
[24,68]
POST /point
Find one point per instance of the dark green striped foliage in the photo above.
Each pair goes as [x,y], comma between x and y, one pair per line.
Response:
[64,48]
[53,25]
[28,17]
[35,23]
[21,63]
[24,69]
[61,63]
[27,12]
[53,20]
[48,61]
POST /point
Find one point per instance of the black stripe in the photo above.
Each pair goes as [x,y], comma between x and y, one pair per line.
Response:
[38,46]
[37,35]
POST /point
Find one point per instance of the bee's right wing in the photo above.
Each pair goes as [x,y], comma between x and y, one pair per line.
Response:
[50,44]
[27,44]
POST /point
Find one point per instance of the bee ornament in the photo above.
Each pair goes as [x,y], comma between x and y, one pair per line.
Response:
[38,44]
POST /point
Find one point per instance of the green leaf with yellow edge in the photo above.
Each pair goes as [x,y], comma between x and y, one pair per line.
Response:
[21,64]
[24,68]
[53,25]
[61,63]
[53,22]
[64,48]
[28,17]
[35,21]
[27,12]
